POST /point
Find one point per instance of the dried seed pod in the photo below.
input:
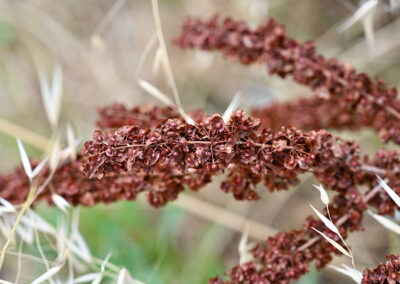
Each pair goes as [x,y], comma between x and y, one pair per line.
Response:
[145,116]
[211,146]
[385,273]
[357,99]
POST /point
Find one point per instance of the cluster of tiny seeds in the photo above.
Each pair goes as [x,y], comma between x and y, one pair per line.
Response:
[306,114]
[70,183]
[385,163]
[316,114]
[211,147]
[385,273]
[321,113]
[334,163]
[312,113]
[193,154]
[287,255]
[207,147]
[330,78]
[146,116]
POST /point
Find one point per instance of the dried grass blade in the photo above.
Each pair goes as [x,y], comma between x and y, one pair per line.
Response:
[335,244]
[385,222]
[48,274]
[393,195]
[326,221]
[24,159]
[155,92]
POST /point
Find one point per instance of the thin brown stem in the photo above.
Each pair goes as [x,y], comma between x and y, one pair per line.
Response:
[260,145]
[373,169]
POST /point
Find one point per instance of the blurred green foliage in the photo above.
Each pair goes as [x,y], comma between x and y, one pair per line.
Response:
[7,33]
[310,278]
[146,241]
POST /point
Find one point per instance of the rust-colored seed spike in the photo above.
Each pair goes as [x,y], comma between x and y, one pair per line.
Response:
[311,113]
[385,273]
[118,115]
[210,146]
[370,102]
[70,183]
[146,116]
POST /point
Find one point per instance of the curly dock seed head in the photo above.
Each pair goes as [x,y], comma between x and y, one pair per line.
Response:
[331,79]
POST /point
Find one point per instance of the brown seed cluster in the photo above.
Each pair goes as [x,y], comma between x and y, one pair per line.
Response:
[287,255]
[311,113]
[330,78]
[145,116]
[208,147]
[385,163]
[211,146]
[385,273]
[70,183]
[305,114]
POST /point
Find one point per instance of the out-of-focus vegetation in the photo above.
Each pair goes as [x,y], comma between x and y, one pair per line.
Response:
[149,242]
